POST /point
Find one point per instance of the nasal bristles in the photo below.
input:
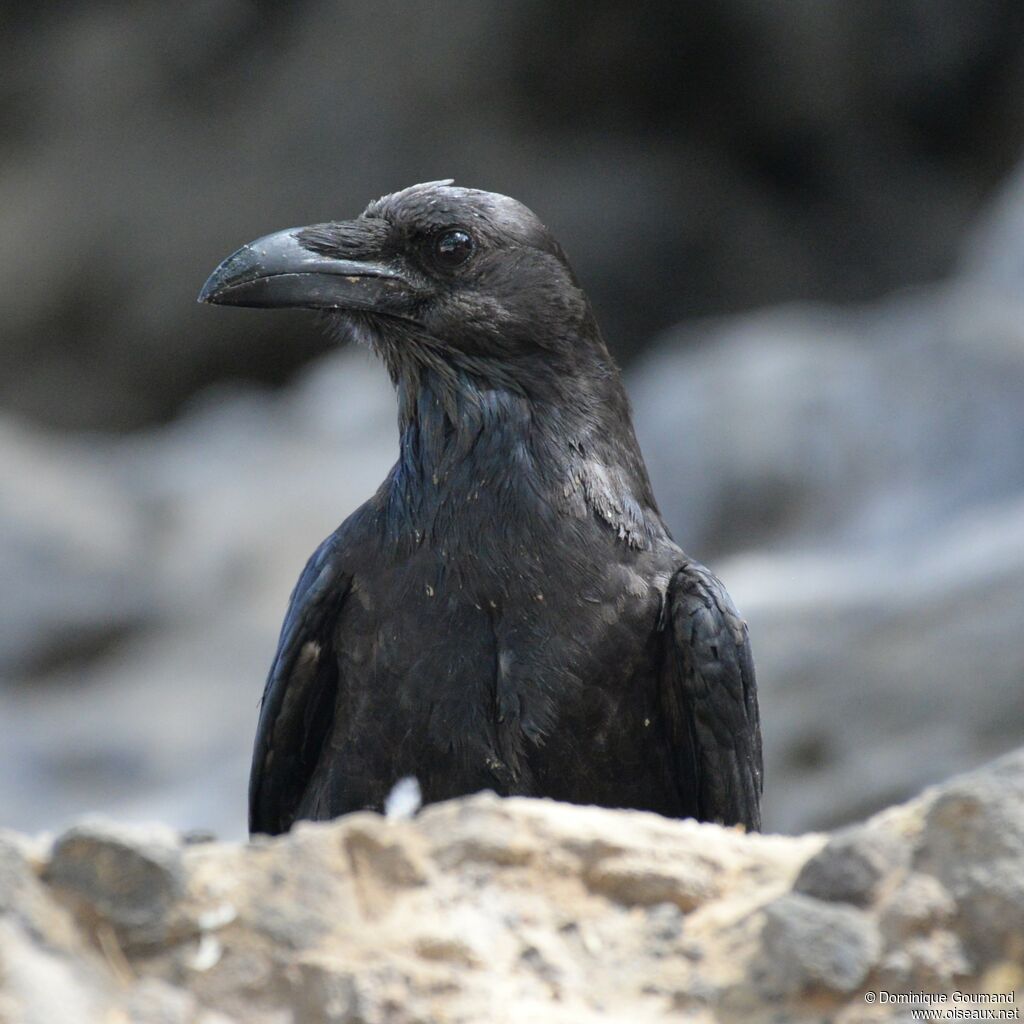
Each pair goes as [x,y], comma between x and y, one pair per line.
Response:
[348,239]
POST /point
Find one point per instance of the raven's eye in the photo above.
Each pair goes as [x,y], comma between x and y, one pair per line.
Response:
[453,248]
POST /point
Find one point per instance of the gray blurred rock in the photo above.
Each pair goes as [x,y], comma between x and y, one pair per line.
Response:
[24,902]
[993,255]
[811,426]
[156,1002]
[974,846]
[817,946]
[852,867]
[325,993]
[77,574]
[917,904]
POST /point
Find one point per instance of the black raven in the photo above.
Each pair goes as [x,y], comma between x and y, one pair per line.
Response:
[508,611]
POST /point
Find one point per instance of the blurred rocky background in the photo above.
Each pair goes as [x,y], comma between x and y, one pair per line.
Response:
[801,226]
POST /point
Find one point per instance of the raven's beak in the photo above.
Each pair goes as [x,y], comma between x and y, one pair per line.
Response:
[277,270]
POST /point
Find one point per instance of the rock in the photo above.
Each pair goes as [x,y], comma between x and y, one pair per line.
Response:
[816,946]
[75,546]
[639,881]
[152,1001]
[993,256]
[926,963]
[918,904]
[852,867]
[804,425]
[130,878]
[591,915]
[25,902]
[325,992]
[41,984]
[974,846]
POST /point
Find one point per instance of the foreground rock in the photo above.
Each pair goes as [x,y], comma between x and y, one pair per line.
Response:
[515,910]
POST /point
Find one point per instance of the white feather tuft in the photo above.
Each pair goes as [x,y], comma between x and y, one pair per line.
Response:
[404,800]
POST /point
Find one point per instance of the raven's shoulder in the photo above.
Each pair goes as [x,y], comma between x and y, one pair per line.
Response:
[709,693]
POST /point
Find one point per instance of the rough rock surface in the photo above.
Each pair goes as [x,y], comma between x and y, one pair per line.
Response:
[512,910]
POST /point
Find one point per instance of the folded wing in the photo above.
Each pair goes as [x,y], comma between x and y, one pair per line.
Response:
[709,694]
[297,710]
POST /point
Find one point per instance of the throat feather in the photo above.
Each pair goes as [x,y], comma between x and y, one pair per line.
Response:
[491,455]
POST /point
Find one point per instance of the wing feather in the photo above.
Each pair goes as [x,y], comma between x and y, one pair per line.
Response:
[710,696]
[297,708]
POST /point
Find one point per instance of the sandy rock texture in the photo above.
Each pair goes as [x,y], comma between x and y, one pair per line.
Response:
[510,910]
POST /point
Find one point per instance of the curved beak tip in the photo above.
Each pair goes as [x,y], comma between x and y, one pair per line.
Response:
[208,292]
[237,268]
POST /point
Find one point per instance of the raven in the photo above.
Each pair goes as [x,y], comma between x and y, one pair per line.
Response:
[508,611]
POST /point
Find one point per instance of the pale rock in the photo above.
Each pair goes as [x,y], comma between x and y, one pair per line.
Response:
[588,915]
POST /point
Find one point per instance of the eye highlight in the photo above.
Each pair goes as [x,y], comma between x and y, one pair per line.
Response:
[452,248]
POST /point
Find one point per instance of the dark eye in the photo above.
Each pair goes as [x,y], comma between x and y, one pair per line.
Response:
[453,248]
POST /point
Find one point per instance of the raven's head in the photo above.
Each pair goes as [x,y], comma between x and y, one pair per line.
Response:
[483,327]
[450,273]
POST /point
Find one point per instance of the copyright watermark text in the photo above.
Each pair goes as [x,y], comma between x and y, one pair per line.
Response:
[954,1005]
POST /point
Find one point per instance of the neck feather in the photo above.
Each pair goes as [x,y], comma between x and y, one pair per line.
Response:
[461,434]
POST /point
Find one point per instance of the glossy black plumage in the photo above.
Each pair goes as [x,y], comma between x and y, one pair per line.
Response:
[508,611]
